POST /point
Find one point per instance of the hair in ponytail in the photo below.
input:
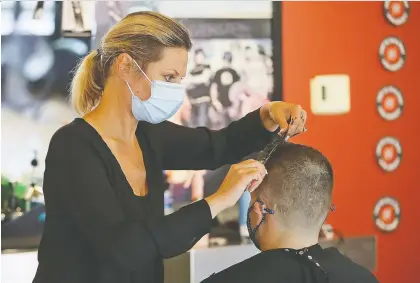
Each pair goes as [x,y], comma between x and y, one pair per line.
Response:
[142,35]
[87,84]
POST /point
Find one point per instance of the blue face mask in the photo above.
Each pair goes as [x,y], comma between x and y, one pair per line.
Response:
[165,100]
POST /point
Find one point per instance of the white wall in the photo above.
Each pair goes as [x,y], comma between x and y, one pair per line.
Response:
[18,267]
[22,135]
[260,9]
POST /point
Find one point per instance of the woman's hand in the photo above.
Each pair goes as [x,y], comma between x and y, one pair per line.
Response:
[245,175]
[291,118]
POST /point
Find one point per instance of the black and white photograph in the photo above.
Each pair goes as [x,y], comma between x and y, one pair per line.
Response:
[226,79]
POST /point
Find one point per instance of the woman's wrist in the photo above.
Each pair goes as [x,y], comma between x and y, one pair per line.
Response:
[265,116]
[217,204]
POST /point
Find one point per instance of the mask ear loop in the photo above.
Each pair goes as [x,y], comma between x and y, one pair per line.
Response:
[266,210]
[254,230]
[141,70]
[142,73]
[129,87]
[269,211]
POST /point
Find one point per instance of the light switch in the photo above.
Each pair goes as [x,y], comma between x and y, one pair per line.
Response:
[330,94]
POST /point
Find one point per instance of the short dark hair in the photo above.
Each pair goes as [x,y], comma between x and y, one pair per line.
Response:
[198,51]
[298,185]
[261,50]
[227,56]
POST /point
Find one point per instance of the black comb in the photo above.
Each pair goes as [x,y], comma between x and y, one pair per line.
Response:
[265,154]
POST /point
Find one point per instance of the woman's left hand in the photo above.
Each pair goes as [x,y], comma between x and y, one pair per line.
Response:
[291,118]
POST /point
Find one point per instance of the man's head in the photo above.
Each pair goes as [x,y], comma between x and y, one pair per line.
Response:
[199,56]
[250,53]
[298,189]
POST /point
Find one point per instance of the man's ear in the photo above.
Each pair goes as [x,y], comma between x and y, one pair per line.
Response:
[258,211]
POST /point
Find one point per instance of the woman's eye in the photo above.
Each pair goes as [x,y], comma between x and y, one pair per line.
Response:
[168,78]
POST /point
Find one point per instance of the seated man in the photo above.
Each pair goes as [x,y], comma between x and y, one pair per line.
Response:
[284,219]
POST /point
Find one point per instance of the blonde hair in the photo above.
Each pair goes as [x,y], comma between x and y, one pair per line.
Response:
[142,35]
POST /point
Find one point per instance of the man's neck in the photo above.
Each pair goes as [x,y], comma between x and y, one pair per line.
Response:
[292,240]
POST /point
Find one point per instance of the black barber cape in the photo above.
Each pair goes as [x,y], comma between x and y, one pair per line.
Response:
[314,265]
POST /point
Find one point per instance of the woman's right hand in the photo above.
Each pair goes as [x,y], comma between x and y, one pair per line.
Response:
[245,175]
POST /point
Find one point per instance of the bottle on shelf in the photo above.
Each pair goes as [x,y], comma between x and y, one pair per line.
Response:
[168,202]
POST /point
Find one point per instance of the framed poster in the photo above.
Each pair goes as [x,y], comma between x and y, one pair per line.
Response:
[230,74]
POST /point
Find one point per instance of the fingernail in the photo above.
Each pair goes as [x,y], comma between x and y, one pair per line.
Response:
[305,129]
[286,138]
[266,172]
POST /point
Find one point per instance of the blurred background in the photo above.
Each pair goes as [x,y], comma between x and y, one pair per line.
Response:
[352,65]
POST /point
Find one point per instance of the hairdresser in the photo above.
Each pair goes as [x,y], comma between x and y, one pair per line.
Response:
[103,180]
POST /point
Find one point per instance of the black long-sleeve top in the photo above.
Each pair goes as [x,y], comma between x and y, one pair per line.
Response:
[97,230]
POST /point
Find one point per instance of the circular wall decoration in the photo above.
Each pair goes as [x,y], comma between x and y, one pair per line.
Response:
[392,53]
[390,103]
[387,214]
[396,12]
[388,153]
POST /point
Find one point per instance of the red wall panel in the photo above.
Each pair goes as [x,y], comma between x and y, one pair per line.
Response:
[344,37]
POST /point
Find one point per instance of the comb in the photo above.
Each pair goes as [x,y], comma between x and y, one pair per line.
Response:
[265,154]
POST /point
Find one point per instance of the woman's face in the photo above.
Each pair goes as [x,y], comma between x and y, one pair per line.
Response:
[172,68]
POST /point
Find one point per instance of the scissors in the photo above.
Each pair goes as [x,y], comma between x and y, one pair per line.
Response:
[264,155]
